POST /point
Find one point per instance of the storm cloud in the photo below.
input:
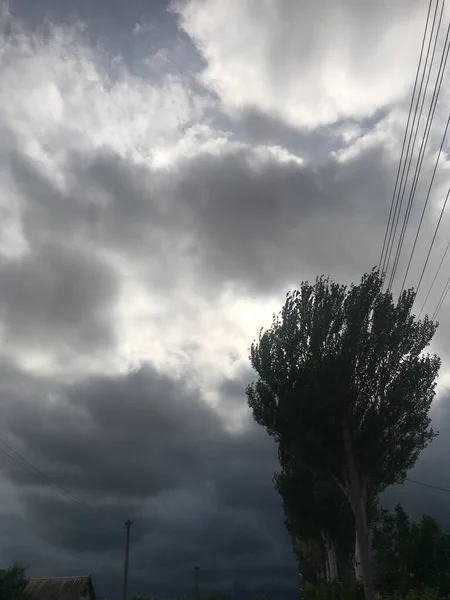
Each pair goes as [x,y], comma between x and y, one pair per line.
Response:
[167,172]
[147,445]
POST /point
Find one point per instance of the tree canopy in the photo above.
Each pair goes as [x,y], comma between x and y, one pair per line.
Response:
[410,555]
[345,387]
[12,583]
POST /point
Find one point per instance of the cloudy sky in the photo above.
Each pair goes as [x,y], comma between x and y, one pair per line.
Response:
[168,171]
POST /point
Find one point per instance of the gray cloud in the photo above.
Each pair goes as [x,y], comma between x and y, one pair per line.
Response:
[257,127]
[257,225]
[58,296]
[143,34]
[145,444]
[140,417]
[227,212]
[236,217]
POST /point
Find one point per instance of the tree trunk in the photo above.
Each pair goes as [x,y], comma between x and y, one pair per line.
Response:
[324,557]
[312,553]
[364,547]
[331,557]
[357,562]
[356,492]
[325,574]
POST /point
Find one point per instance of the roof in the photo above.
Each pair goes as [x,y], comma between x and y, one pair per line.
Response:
[59,588]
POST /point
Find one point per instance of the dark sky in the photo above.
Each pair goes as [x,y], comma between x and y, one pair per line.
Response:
[166,176]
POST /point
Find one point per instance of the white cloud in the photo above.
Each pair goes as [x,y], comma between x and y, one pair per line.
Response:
[309,63]
[61,100]
[188,216]
[60,93]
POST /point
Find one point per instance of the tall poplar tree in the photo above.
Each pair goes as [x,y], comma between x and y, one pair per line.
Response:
[345,387]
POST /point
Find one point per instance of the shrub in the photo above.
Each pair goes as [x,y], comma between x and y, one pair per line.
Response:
[335,590]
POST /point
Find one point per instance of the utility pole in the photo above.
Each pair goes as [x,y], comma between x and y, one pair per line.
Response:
[196,572]
[128,525]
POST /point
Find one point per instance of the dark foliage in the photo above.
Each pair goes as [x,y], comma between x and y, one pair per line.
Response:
[12,583]
[348,390]
[410,556]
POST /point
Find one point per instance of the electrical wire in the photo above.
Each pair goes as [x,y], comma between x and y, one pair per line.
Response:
[423,146]
[441,299]
[26,465]
[434,279]
[443,208]
[388,226]
[425,205]
[428,485]
[433,240]
[408,157]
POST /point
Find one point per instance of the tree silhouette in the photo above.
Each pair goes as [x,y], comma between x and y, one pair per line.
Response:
[345,388]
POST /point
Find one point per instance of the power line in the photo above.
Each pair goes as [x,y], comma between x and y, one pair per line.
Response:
[26,465]
[425,204]
[434,279]
[432,241]
[443,208]
[37,473]
[423,144]
[425,137]
[428,485]
[441,299]
[383,256]
[408,155]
